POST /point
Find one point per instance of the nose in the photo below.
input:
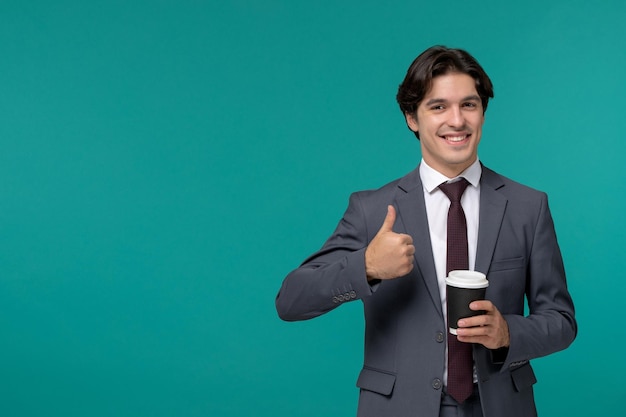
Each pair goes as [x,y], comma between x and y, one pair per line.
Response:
[456,118]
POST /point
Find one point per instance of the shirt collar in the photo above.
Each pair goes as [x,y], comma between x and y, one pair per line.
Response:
[431,179]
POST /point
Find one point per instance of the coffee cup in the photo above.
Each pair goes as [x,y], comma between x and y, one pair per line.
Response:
[462,288]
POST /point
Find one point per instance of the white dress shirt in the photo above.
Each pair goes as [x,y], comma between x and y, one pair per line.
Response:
[437,205]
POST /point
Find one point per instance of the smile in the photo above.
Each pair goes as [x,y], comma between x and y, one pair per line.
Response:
[456,138]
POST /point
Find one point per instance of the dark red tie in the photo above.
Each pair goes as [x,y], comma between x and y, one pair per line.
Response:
[460,364]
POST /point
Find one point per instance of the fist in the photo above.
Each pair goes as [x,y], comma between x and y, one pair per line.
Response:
[389,255]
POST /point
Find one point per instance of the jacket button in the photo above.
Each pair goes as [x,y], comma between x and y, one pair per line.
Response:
[335,300]
[437,383]
[439,337]
[352,294]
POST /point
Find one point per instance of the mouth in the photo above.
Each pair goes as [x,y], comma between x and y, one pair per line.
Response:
[456,138]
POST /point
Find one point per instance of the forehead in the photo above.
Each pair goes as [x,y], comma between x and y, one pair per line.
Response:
[451,86]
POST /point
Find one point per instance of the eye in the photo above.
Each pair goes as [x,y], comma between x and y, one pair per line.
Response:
[470,105]
[437,107]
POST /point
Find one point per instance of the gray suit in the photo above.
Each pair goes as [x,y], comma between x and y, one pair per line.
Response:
[405,330]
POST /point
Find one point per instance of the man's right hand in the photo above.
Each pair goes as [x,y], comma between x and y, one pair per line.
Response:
[389,255]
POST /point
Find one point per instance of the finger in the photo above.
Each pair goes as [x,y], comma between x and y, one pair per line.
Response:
[485,305]
[407,239]
[466,332]
[483,340]
[474,321]
[389,220]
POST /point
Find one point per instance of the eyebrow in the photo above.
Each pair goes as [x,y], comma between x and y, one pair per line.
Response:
[432,101]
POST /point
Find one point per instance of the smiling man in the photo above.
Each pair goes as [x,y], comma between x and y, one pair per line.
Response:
[392,250]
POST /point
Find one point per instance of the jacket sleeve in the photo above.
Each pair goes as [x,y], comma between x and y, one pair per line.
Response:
[333,275]
[550,325]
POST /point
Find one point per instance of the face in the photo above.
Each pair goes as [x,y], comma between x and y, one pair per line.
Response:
[449,121]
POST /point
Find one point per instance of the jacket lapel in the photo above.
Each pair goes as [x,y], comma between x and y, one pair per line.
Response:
[412,213]
[492,207]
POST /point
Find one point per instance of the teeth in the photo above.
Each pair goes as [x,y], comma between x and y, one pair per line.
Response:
[455,138]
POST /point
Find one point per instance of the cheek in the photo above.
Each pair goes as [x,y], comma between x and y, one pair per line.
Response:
[430,125]
[478,123]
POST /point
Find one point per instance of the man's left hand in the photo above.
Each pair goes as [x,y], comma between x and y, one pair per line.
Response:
[489,329]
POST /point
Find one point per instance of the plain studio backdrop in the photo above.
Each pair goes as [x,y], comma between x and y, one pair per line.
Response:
[164,164]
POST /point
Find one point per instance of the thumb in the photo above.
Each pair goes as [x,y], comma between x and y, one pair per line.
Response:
[389,220]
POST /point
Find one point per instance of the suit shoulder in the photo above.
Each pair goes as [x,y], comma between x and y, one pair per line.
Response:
[511,188]
[390,189]
[375,200]
[386,189]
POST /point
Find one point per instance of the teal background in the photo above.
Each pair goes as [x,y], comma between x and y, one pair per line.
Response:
[165,164]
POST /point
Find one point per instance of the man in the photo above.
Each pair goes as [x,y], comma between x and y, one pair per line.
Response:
[391,250]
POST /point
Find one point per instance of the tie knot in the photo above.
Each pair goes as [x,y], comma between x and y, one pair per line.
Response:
[454,190]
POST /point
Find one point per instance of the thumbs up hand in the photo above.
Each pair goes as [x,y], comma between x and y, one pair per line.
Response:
[389,255]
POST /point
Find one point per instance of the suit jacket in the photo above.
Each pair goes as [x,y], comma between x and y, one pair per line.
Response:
[405,332]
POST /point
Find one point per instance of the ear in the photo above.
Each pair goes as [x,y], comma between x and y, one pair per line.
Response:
[411,121]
